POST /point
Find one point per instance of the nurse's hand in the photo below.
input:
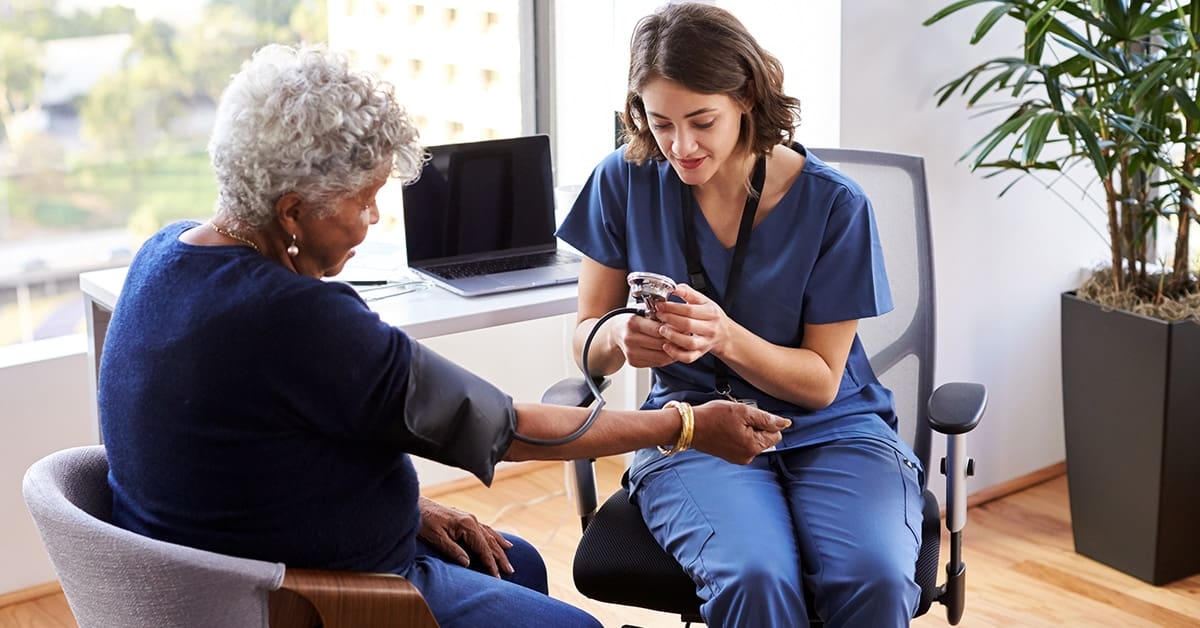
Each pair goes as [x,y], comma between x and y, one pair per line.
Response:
[639,339]
[453,532]
[693,328]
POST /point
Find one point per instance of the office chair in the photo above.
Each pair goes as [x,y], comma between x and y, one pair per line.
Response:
[618,561]
[114,577]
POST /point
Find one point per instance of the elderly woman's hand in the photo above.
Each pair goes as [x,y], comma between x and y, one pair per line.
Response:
[449,530]
[735,431]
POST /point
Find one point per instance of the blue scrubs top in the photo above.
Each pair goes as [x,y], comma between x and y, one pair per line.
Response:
[816,258]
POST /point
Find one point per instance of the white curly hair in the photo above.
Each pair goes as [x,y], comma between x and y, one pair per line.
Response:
[298,119]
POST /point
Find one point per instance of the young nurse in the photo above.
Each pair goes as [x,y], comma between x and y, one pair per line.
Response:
[777,258]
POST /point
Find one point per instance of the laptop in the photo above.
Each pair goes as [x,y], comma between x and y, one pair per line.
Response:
[480,220]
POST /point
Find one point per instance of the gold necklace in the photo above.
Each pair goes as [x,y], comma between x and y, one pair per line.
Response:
[234,236]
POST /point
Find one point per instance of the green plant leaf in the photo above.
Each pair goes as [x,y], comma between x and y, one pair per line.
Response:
[1186,103]
[992,139]
[1150,80]
[1091,142]
[1040,15]
[1035,135]
[1090,52]
[988,22]
[1000,80]
[953,8]
[1054,93]
[1019,86]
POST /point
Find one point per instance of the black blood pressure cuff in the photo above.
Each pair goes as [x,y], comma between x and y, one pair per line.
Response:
[455,417]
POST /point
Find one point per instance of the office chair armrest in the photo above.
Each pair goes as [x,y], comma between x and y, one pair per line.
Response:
[574,391]
[341,599]
[956,407]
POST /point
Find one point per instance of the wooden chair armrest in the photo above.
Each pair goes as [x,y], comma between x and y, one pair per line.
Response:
[343,599]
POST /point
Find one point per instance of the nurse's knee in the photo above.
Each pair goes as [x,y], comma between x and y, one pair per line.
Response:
[875,585]
[764,583]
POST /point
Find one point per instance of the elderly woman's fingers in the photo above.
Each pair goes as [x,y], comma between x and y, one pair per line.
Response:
[735,432]
[489,545]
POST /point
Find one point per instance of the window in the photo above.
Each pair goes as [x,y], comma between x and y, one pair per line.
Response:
[104,141]
[103,133]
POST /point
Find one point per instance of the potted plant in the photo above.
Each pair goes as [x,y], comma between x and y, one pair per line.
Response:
[1100,98]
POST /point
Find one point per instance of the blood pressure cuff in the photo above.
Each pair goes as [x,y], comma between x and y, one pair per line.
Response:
[455,417]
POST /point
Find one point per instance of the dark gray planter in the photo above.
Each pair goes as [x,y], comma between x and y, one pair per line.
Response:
[1131,411]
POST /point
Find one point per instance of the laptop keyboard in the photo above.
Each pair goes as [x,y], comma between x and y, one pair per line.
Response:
[504,264]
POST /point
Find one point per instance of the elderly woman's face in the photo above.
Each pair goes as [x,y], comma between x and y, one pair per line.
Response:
[330,241]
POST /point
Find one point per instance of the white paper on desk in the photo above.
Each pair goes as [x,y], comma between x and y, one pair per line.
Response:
[377,260]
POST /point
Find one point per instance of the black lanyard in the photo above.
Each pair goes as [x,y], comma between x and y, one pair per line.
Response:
[698,277]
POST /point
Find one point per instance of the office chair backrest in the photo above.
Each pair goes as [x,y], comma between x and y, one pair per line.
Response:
[901,343]
[114,577]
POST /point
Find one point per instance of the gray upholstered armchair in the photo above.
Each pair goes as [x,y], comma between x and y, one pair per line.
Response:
[115,578]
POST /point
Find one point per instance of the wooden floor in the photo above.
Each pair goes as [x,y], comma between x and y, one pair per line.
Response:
[1022,570]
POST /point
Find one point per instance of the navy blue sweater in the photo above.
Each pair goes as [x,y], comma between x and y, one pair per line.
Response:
[252,411]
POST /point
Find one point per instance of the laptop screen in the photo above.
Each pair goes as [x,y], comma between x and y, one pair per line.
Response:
[484,197]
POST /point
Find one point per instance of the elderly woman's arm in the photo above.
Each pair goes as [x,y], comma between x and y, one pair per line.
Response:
[733,431]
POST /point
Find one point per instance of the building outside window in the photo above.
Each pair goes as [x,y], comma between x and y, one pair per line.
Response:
[446,50]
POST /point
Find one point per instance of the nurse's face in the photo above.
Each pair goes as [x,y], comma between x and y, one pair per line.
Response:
[697,132]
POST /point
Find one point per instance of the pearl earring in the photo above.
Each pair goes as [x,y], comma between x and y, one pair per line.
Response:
[292,249]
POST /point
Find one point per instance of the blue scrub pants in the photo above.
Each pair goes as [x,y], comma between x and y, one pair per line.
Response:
[461,597]
[842,519]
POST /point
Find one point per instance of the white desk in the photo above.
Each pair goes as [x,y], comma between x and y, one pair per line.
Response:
[422,314]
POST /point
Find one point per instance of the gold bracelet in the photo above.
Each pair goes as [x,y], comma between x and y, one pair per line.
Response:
[687,428]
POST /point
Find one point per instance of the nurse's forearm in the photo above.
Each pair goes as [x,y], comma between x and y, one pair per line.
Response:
[604,357]
[799,375]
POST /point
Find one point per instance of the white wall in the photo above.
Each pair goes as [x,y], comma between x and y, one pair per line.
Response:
[44,407]
[1000,263]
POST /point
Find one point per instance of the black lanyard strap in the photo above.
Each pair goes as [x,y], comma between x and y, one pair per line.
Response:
[698,277]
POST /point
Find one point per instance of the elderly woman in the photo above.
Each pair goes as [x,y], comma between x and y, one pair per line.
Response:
[252,409]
